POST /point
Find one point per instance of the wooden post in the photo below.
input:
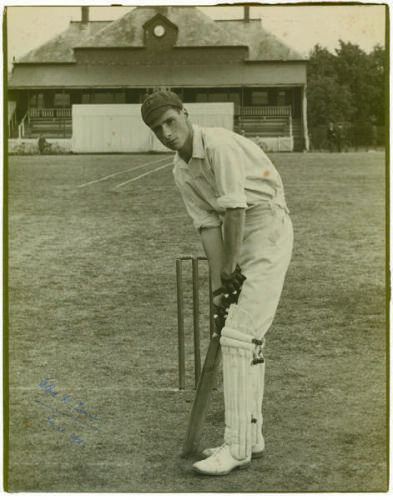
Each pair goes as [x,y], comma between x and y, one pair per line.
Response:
[180,324]
[304,119]
[195,293]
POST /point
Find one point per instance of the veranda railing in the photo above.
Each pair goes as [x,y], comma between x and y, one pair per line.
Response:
[264,110]
[37,113]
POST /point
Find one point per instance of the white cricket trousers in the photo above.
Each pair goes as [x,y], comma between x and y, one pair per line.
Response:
[264,260]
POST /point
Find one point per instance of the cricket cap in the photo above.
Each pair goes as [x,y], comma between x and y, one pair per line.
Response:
[157,104]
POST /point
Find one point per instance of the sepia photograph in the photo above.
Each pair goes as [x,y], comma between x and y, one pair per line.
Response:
[196,248]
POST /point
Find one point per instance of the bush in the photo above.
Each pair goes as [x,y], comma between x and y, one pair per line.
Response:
[30,146]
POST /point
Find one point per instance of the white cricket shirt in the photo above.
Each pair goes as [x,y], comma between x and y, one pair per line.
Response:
[226,170]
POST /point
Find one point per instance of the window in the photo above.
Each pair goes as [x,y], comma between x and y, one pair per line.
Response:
[201,97]
[259,98]
[159,30]
[213,95]
[103,98]
[281,98]
[218,97]
[235,98]
[120,97]
[40,101]
[61,101]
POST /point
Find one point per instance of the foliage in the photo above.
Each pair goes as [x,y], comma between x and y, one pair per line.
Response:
[347,86]
[377,83]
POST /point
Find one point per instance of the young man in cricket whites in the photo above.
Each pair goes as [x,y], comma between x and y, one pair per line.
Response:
[235,198]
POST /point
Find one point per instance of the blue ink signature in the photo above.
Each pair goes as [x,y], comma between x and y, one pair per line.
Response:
[69,416]
[50,388]
[70,404]
[74,438]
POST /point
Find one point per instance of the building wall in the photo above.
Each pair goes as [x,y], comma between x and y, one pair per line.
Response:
[279,74]
[166,56]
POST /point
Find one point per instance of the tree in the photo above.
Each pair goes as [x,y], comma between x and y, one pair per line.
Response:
[353,68]
[347,86]
[377,80]
[321,62]
[329,100]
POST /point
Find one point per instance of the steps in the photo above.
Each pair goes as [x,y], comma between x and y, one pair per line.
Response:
[271,126]
[263,126]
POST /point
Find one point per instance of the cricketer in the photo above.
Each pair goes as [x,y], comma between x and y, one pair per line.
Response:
[235,198]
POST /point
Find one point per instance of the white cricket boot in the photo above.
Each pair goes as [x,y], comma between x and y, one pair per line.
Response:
[256,449]
[220,463]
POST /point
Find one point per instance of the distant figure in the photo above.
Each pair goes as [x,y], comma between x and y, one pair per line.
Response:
[331,137]
[373,133]
[339,137]
[43,144]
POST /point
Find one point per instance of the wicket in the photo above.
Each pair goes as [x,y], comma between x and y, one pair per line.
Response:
[180,316]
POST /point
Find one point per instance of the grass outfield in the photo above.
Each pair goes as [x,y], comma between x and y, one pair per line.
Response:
[94,404]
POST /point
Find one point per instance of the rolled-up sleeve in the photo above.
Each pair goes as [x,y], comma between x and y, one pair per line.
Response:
[228,165]
[199,210]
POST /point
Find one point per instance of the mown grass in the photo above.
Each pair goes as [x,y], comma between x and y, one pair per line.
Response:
[93,306]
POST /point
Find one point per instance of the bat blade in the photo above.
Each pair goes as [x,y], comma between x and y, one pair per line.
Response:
[200,405]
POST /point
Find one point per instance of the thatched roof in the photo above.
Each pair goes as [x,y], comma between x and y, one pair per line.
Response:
[195,30]
[263,46]
[60,49]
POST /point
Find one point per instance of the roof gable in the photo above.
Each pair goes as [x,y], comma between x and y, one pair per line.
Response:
[159,32]
[158,18]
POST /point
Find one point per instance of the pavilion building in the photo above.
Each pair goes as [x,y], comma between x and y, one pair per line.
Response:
[172,47]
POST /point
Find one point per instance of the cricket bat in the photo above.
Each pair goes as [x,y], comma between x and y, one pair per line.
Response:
[200,406]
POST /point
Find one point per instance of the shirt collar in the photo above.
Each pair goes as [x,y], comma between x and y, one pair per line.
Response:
[198,151]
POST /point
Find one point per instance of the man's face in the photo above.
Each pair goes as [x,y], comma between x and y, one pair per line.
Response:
[172,129]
